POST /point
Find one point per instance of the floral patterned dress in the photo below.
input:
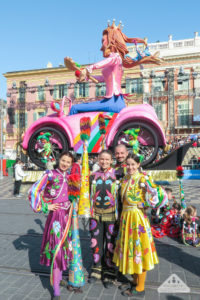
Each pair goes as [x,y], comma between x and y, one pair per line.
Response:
[135,250]
[55,190]
[60,244]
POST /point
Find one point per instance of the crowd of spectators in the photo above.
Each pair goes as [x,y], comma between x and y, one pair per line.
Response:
[174,143]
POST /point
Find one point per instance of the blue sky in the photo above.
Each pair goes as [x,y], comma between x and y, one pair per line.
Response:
[32,33]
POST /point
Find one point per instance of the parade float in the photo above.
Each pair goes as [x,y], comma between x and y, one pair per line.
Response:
[49,136]
[63,131]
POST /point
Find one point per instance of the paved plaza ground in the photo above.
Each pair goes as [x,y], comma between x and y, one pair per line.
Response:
[21,276]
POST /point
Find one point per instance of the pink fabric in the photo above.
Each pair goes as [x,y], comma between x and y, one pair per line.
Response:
[57,279]
[112,72]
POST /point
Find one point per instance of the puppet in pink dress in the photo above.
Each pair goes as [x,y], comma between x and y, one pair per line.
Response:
[116,57]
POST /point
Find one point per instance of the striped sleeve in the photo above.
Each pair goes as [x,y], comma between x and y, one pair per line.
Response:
[35,194]
[156,196]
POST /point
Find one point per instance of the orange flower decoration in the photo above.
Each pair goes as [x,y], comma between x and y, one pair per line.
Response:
[146,251]
[153,247]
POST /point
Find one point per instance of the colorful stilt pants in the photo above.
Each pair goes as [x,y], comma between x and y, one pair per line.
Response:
[102,243]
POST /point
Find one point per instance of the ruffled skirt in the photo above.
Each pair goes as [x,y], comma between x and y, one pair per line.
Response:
[135,250]
[54,227]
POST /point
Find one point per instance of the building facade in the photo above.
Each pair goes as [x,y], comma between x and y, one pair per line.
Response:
[173,88]
[3,115]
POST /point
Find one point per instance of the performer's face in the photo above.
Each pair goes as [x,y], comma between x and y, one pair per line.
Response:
[132,166]
[105,161]
[65,163]
[121,154]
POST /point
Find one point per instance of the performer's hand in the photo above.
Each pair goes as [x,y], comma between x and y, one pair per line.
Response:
[140,205]
[53,207]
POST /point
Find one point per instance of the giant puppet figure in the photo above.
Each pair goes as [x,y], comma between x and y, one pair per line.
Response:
[115,51]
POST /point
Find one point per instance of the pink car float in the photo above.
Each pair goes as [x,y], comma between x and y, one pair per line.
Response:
[65,132]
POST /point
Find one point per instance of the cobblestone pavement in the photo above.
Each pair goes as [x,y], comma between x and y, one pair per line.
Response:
[21,276]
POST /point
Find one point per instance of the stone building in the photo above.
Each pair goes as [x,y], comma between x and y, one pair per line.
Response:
[3,122]
[173,88]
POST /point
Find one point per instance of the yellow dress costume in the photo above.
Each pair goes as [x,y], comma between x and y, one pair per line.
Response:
[135,250]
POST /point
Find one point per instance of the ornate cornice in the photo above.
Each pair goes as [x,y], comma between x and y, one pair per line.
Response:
[37,72]
[181,58]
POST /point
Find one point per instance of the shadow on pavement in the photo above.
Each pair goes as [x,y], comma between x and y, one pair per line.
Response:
[32,242]
[39,222]
[171,297]
[180,257]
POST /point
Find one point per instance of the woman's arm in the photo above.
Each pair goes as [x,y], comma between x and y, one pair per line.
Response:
[36,200]
[54,206]
[156,196]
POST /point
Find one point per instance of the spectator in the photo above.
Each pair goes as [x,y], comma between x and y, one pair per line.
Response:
[190,227]
[50,164]
[121,154]
[18,175]
[194,144]
[77,165]
[95,166]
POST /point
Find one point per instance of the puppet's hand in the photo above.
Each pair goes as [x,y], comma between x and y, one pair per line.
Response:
[83,75]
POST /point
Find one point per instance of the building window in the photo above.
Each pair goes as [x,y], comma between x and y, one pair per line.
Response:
[134,86]
[60,90]
[41,96]
[22,92]
[159,110]
[81,90]
[158,85]
[21,120]
[41,114]
[183,84]
[183,113]
[100,90]
[196,110]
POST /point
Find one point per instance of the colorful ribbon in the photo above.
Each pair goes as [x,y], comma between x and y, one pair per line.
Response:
[65,233]
[35,193]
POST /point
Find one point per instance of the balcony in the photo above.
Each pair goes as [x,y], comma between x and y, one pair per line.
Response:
[185,120]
